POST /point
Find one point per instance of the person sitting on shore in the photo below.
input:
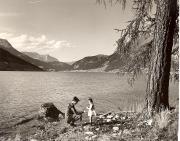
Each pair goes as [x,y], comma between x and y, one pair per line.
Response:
[91,110]
[72,115]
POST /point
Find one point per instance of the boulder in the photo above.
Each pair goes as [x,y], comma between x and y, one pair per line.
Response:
[49,110]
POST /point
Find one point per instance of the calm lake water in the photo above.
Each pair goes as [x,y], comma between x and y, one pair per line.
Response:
[22,93]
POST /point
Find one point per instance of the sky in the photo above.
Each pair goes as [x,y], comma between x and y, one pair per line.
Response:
[66,29]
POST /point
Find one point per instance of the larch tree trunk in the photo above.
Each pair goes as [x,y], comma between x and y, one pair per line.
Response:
[157,94]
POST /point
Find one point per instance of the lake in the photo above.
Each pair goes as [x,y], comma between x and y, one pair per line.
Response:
[22,93]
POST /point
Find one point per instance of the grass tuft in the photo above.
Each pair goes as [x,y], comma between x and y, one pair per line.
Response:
[163,118]
[136,107]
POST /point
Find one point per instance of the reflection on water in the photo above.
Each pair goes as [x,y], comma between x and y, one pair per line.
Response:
[22,93]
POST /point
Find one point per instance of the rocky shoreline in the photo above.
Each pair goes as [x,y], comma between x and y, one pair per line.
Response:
[124,126]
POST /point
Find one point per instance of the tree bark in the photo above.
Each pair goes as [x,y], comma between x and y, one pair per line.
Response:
[157,94]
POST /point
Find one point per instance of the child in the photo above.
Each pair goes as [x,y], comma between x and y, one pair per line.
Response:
[91,110]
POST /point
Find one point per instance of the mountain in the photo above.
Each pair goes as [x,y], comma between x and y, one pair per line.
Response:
[100,63]
[46,66]
[10,62]
[90,62]
[45,58]
[8,47]
[48,62]
[113,62]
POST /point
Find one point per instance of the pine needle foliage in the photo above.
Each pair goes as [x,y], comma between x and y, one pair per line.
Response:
[139,29]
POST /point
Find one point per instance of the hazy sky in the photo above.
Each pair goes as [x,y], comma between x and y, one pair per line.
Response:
[66,29]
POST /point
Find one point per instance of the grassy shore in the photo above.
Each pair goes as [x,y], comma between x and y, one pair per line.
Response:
[121,126]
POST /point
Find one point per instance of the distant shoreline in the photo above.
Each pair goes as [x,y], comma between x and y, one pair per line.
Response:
[89,71]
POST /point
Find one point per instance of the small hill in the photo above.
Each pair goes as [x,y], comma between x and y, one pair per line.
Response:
[59,66]
[90,62]
[100,63]
[114,62]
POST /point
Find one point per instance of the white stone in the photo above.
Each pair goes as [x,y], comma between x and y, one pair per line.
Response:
[117,116]
[89,133]
[126,131]
[120,133]
[115,128]
[18,137]
[123,118]
[110,116]
[149,122]
[33,140]
[93,137]
[114,134]
[55,123]
[87,138]
[97,129]
[86,128]
[101,116]
[108,120]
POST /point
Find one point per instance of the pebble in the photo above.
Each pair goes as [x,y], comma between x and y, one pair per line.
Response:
[55,123]
[120,133]
[115,128]
[101,116]
[110,116]
[123,118]
[33,140]
[108,120]
[86,128]
[93,137]
[89,133]
[97,129]
[149,122]
[87,138]
[126,131]
[114,134]
[116,116]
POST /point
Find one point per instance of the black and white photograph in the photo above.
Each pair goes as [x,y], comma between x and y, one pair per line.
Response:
[89,70]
